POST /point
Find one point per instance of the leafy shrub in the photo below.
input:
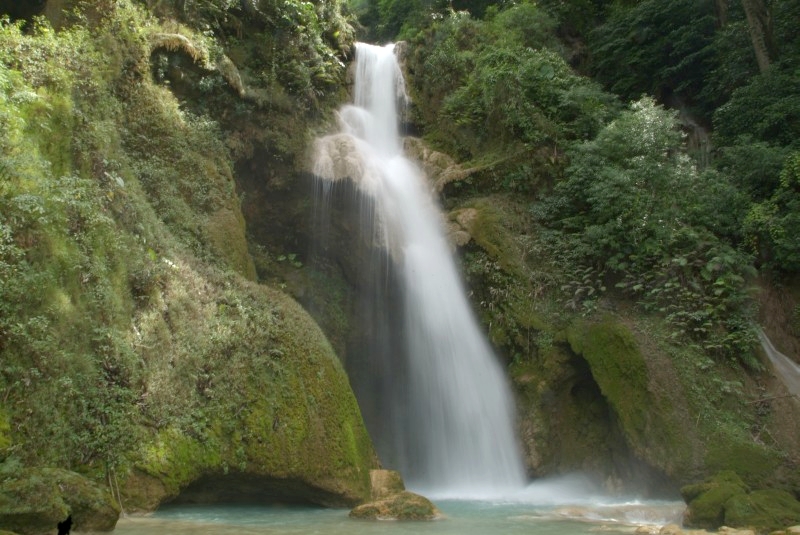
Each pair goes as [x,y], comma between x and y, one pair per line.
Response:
[498,86]
[766,110]
[772,226]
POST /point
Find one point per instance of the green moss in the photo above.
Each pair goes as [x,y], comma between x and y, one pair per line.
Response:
[271,399]
[32,505]
[728,478]
[653,430]
[5,437]
[708,509]
[763,510]
[619,370]
[489,231]
[725,499]
[755,463]
[177,460]
[226,230]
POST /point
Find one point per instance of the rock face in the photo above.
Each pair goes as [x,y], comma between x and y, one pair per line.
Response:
[390,500]
[33,502]
[620,370]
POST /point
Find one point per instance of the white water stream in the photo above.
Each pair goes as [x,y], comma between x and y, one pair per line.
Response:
[455,436]
[787,370]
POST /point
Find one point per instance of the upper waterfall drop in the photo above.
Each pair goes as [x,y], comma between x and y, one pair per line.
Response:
[447,404]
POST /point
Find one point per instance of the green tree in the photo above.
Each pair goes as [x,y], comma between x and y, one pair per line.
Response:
[636,210]
[499,85]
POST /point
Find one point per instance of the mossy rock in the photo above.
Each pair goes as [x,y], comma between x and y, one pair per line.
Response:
[34,501]
[273,402]
[706,501]
[726,477]
[401,506]
[650,428]
[385,483]
[754,463]
[619,369]
[762,510]
[226,234]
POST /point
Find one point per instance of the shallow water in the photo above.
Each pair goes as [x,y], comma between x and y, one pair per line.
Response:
[459,518]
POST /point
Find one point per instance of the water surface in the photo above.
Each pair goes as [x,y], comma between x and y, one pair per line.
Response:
[459,518]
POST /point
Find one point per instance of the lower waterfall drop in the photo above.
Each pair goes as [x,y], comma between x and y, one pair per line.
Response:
[451,415]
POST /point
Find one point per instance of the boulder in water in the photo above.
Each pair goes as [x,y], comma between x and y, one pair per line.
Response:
[403,505]
[391,500]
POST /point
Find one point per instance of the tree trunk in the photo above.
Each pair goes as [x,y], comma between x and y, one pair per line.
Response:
[759,22]
[721,9]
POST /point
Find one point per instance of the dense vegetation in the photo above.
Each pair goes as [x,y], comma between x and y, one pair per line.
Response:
[127,307]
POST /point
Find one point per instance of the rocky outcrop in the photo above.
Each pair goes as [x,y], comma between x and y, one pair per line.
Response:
[621,371]
[460,225]
[598,391]
[401,506]
[440,168]
[35,501]
[385,483]
[390,500]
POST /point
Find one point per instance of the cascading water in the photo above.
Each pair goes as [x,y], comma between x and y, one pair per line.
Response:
[788,371]
[446,404]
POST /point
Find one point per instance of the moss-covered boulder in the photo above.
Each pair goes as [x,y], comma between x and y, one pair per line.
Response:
[725,500]
[706,501]
[34,501]
[391,501]
[400,506]
[763,510]
[258,393]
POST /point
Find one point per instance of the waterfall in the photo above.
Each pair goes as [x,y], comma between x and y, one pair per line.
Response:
[439,406]
[787,370]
